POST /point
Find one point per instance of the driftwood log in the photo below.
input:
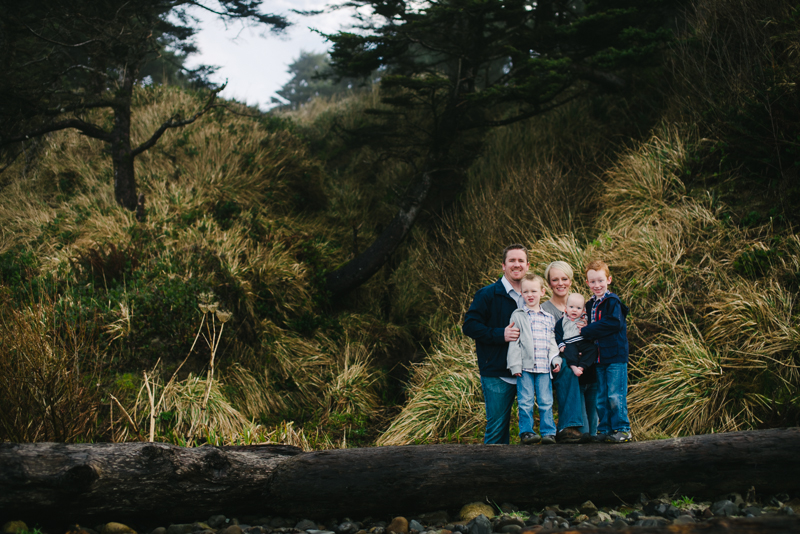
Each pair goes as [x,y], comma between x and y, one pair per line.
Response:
[164,483]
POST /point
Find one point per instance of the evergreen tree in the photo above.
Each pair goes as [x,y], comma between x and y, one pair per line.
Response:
[64,58]
[312,77]
[454,68]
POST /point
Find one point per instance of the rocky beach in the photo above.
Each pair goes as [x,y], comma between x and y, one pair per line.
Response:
[732,512]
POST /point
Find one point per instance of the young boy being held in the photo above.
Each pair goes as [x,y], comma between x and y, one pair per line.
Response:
[530,359]
[608,330]
[580,355]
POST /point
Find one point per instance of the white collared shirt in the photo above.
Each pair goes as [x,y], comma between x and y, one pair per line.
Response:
[514,294]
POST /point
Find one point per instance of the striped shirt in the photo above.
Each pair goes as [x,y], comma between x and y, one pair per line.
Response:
[542,325]
[595,302]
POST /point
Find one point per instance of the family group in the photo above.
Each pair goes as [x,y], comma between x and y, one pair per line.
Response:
[528,348]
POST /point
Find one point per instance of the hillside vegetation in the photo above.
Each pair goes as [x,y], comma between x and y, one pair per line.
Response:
[208,322]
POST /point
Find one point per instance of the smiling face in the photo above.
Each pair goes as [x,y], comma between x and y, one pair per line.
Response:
[598,282]
[559,282]
[532,292]
[516,265]
[575,304]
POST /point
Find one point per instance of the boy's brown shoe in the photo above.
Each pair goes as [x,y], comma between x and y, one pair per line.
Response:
[569,435]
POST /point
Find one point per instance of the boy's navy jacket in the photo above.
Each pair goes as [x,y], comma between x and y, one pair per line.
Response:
[485,322]
[609,331]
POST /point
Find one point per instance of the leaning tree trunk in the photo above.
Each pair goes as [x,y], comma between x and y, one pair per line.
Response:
[361,268]
[132,481]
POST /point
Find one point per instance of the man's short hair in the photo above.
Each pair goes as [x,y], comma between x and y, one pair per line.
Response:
[515,246]
[598,265]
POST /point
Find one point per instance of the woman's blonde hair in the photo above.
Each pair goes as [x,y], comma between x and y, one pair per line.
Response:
[561,266]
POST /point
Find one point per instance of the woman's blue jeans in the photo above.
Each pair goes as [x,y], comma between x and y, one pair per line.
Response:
[537,385]
[589,394]
[568,395]
[498,396]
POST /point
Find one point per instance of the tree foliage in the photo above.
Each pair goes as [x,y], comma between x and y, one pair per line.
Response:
[453,68]
[63,59]
[312,76]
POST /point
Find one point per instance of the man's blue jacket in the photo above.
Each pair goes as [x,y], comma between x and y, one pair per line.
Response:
[609,331]
[485,322]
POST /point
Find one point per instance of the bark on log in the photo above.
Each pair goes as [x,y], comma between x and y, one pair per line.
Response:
[417,479]
[160,483]
[54,483]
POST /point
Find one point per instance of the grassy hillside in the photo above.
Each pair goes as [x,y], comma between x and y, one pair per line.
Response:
[208,322]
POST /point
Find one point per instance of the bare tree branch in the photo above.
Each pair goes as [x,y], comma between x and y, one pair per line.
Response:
[176,122]
[86,128]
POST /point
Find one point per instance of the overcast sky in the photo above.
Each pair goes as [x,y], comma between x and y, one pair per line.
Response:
[255,61]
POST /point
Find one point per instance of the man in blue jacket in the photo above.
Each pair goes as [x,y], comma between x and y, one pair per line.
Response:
[487,322]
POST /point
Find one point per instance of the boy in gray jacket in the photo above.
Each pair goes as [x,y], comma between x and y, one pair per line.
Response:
[530,359]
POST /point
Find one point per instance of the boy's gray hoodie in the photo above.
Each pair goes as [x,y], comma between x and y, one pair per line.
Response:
[519,357]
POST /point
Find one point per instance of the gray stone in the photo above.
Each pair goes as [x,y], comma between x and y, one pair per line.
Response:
[619,524]
[436,518]
[347,527]
[217,521]
[159,530]
[505,521]
[511,529]
[480,525]
[319,531]
[253,530]
[281,522]
[377,530]
[588,508]
[200,526]
[755,511]
[550,523]
[415,525]
[786,510]
[683,520]
[180,528]
[306,524]
[507,507]
[584,524]
[724,508]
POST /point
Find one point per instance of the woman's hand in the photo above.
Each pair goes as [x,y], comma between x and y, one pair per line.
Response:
[577,370]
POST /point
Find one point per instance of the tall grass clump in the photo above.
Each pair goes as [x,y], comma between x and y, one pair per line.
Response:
[717,342]
[49,373]
[444,396]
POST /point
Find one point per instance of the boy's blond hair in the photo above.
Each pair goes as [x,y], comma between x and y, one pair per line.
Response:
[530,277]
[597,265]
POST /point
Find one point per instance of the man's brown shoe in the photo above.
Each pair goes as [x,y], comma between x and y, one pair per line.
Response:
[569,435]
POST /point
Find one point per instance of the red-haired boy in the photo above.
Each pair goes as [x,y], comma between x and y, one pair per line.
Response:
[608,330]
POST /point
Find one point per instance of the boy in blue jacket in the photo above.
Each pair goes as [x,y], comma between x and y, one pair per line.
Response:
[608,330]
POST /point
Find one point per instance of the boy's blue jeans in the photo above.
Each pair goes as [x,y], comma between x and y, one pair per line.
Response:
[498,395]
[589,394]
[537,385]
[612,398]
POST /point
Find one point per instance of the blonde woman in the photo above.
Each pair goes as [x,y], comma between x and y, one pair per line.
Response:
[577,409]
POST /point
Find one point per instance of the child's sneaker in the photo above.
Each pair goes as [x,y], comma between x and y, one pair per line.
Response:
[619,436]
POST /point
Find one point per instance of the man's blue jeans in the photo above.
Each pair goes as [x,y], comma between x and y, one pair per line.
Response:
[499,397]
[538,385]
[568,395]
[612,398]
[589,394]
